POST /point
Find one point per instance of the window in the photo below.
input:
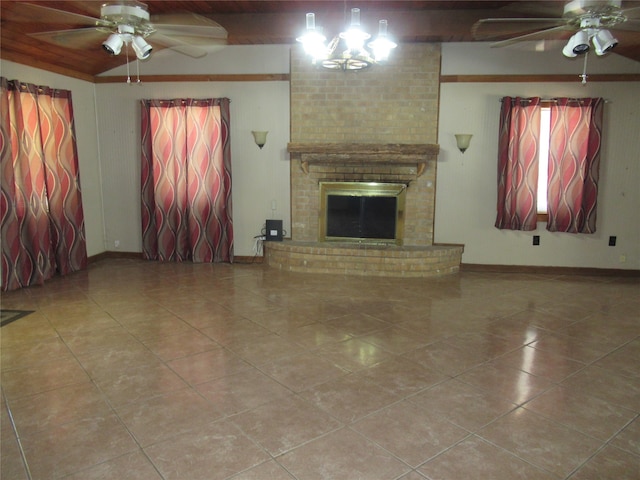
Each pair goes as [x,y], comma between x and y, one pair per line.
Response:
[571,133]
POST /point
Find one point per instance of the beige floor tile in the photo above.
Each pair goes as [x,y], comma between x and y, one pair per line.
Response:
[62,372]
[162,417]
[629,438]
[205,366]
[74,446]
[215,451]
[539,363]
[512,384]
[610,463]
[132,465]
[234,329]
[269,470]
[11,463]
[412,434]
[314,335]
[242,391]
[52,408]
[446,358]
[349,397]
[303,371]
[264,349]
[357,324]
[579,348]
[475,459]
[33,353]
[284,424]
[139,383]
[588,414]
[172,346]
[353,355]
[612,387]
[542,442]
[463,404]
[156,326]
[285,319]
[109,362]
[396,340]
[401,376]
[623,360]
[342,454]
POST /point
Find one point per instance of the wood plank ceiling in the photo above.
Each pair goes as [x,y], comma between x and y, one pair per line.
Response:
[268,22]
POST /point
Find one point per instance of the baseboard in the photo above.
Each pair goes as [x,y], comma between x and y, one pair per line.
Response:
[106,255]
[139,256]
[534,269]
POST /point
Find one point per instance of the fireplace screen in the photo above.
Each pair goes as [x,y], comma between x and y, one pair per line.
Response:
[362,212]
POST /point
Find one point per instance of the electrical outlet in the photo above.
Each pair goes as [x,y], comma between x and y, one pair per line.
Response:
[116,244]
[612,241]
[536,239]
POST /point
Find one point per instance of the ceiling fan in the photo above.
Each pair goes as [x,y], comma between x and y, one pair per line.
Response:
[126,24]
[582,21]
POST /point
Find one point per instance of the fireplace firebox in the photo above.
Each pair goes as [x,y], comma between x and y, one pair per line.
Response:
[362,212]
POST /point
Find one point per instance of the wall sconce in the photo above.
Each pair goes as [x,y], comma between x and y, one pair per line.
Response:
[260,138]
[463,140]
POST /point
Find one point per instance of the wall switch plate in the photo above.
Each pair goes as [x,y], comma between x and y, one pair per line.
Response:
[536,239]
[612,241]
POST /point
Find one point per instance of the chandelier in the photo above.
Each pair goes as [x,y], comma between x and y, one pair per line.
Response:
[346,51]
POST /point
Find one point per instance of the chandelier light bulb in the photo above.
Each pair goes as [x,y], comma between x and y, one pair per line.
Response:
[382,46]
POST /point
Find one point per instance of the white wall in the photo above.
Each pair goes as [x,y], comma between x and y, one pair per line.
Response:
[82,94]
[260,178]
[466,184]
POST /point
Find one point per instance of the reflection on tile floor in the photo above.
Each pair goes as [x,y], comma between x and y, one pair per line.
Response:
[144,370]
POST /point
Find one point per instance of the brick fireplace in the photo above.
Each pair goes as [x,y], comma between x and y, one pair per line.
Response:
[377,125]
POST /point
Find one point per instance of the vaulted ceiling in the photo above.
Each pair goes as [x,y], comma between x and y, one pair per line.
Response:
[268,22]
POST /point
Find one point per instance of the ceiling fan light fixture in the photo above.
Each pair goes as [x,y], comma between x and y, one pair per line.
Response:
[577,44]
[113,44]
[603,41]
[141,47]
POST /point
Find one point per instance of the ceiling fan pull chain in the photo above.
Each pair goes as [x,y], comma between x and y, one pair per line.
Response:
[138,71]
[584,69]
[126,52]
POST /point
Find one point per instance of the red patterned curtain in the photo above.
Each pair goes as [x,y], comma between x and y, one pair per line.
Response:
[574,162]
[40,203]
[186,180]
[518,163]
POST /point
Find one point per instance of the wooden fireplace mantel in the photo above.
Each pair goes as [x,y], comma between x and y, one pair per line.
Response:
[364,154]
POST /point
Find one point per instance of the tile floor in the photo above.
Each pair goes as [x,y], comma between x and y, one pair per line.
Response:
[139,370]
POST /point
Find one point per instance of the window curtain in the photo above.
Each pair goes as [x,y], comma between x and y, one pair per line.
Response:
[186,180]
[574,162]
[518,141]
[41,202]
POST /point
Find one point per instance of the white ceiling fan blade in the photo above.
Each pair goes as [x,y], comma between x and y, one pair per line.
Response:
[177,45]
[31,13]
[79,38]
[189,24]
[556,33]
[489,28]
[631,12]
[628,26]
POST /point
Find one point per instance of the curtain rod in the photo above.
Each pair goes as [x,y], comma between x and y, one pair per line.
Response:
[572,99]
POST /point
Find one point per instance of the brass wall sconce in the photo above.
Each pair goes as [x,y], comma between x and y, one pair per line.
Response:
[463,140]
[260,138]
